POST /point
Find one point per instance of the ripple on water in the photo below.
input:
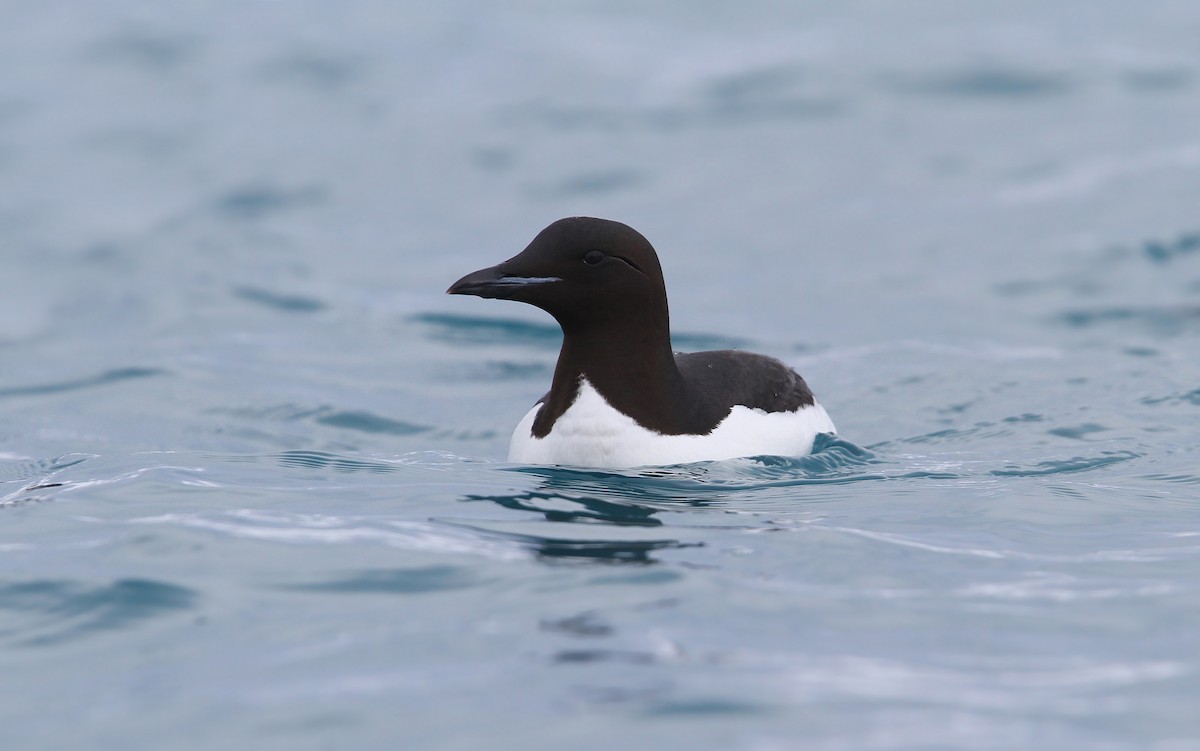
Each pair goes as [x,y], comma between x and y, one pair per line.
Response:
[474,330]
[613,514]
[833,459]
[990,83]
[326,529]
[323,460]
[398,581]
[632,497]
[1190,397]
[1164,251]
[23,470]
[1164,319]
[1063,466]
[367,422]
[15,469]
[103,379]
[258,201]
[585,544]
[158,53]
[322,71]
[1078,431]
[47,612]
[287,303]
[361,421]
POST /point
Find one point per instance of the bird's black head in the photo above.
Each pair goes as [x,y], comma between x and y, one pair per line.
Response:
[583,271]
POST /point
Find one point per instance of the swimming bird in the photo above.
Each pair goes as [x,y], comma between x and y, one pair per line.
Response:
[621,397]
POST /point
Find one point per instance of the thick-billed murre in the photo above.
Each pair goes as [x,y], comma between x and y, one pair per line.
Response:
[620,396]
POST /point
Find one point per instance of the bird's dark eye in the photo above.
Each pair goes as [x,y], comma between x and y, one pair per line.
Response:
[593,257]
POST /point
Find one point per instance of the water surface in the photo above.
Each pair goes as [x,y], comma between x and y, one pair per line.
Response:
[252,477]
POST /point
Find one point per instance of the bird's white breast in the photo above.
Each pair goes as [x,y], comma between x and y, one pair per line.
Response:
[592,433]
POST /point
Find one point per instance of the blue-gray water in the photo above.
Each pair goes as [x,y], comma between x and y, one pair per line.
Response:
[252,488]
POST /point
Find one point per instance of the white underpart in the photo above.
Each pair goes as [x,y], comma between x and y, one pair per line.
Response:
[591,433]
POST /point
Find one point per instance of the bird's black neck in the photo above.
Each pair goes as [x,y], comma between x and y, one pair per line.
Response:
[631,365]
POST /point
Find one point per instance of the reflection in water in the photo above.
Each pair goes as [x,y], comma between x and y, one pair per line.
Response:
[610,550]
[606,551]
[631,498]
[592,497]
[590,508]
[611,511]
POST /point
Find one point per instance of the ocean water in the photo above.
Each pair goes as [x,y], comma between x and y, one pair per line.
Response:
[252,479]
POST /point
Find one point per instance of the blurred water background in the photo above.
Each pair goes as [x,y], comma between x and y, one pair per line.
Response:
[252,488]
